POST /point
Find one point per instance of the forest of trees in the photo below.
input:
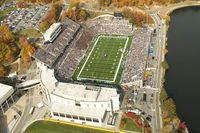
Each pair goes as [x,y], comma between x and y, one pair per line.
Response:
[12,48]
[8,49]
[121,3]
[26,51]
[51,17]
[75,12]
[137,18]
[40,1]
[25,3]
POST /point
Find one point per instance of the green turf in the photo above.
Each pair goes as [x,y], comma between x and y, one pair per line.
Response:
[52,127]
[103,62]
[130,126]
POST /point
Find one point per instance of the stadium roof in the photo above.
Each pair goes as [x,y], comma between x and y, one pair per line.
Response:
[75,91]
[6,91]
[51,29]
[78,111]
[86,93]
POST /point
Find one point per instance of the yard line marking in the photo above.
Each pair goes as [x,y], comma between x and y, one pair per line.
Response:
[88,57]
[119,63]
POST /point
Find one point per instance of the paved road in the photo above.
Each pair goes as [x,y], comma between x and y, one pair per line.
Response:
[33,98]
[25,115]
[160,42]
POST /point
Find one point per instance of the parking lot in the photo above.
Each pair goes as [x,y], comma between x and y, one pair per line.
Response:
[24,17]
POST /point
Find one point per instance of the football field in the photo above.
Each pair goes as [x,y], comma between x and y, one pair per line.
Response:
[104,59]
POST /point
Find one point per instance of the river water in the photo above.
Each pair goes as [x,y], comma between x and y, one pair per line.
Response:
[183,77]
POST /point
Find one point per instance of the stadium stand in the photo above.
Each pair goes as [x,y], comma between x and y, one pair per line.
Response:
[137,57]
[69,48]
[49,54]
[73,55]
[110,25]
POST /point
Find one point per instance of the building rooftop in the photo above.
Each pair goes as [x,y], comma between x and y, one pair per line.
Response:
[86,93]
[78,111]
[75,91]
[6,91]
[51,29]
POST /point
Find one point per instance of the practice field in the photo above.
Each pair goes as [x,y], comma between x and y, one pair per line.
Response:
[54,127]
[104,59]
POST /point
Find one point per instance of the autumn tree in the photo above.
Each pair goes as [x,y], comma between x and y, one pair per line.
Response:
[82,15]
[74,3]
[3,71]
[140,3]
[75,12]
[137,18]
[101,2]
[6,35]
[21,4]
[8,49]
[25,44]
[27,50]
[51,16]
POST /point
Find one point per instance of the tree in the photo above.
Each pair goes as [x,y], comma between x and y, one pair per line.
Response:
[51,16]
[44,25]
[165,65]
[21,4]
[139,19]
[132,20]
[163,95]
[127,13]
[74,3]
[27,50]
[101,3]
[82,15]
[107,2]
[6,35]
[3,71]
[8,47]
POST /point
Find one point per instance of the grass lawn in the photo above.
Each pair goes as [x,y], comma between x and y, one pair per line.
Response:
[52,127]
[130,126]
[103,62]
[31,33]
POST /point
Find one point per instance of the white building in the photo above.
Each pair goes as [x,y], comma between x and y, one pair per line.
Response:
[51,34]
[6,92]
[78,103]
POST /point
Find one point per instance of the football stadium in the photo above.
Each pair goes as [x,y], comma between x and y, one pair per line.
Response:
[103,61]
[104,51]
[82,67]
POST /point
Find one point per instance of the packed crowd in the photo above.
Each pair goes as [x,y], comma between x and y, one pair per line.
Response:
[136,61]
[52,51]
[72,56]
[69,48]
[110,25]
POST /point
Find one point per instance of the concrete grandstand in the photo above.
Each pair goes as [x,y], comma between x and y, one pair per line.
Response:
[73,102]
